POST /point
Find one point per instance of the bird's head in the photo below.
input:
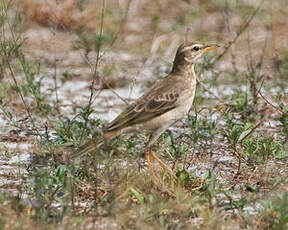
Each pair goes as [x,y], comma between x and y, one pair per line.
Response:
[188,53]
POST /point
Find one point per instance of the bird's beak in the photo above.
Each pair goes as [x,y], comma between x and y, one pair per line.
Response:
[210,47]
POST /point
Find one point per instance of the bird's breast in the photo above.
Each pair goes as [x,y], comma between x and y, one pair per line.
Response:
[186,99]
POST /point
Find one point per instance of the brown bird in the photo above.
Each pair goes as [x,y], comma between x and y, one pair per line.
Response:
[168,101]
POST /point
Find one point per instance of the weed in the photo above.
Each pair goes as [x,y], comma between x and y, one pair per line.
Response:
[201,127]
[53,191]
[92,42]
[234,204]
[112,185]
[11,47]
[242,103]
[32,87]
[74,132]
[274,213]
[281,67]
[283,118]
[260,147]
[235,131]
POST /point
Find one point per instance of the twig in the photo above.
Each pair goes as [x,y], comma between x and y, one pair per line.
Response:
[113,91]
[124,19]
[21,96]
[250,132]
[7,59]
[275,107]
[263,54]
[241,145]
[55,76]
[238,33]
[98,53]
[208,90]
[87,61]
[228,26]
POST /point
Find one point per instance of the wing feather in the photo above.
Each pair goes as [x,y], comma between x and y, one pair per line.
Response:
[159,100]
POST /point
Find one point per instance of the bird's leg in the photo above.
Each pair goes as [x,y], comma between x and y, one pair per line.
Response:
[153,137]
[147,157]
[163,165]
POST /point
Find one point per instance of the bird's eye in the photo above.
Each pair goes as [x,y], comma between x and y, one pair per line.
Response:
[196,48]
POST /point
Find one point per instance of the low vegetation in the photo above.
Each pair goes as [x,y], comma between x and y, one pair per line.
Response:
[229,155]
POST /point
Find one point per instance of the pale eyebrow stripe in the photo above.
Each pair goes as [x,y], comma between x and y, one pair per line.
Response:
[190,47]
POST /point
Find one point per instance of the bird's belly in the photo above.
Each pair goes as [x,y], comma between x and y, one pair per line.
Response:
[186,101]
[168,118]
[163,121]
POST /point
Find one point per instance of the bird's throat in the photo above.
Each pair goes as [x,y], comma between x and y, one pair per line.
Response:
[183,68]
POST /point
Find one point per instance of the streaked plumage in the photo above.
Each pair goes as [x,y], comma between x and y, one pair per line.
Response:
[168,101]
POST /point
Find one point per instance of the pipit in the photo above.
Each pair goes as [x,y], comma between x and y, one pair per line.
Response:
[168,101]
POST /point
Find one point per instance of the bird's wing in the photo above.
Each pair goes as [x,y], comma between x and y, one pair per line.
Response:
[160,99]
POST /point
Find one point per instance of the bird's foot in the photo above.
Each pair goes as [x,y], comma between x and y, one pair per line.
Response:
[149,153]
[163,165]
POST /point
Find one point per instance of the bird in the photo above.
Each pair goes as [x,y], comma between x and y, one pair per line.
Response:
[165,103]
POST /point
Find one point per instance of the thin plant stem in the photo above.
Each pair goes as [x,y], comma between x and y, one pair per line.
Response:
[88,62]
[21,96]
[98,53]
[242,29]
[9,64]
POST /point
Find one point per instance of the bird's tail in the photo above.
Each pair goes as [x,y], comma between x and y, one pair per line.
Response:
[92,145]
